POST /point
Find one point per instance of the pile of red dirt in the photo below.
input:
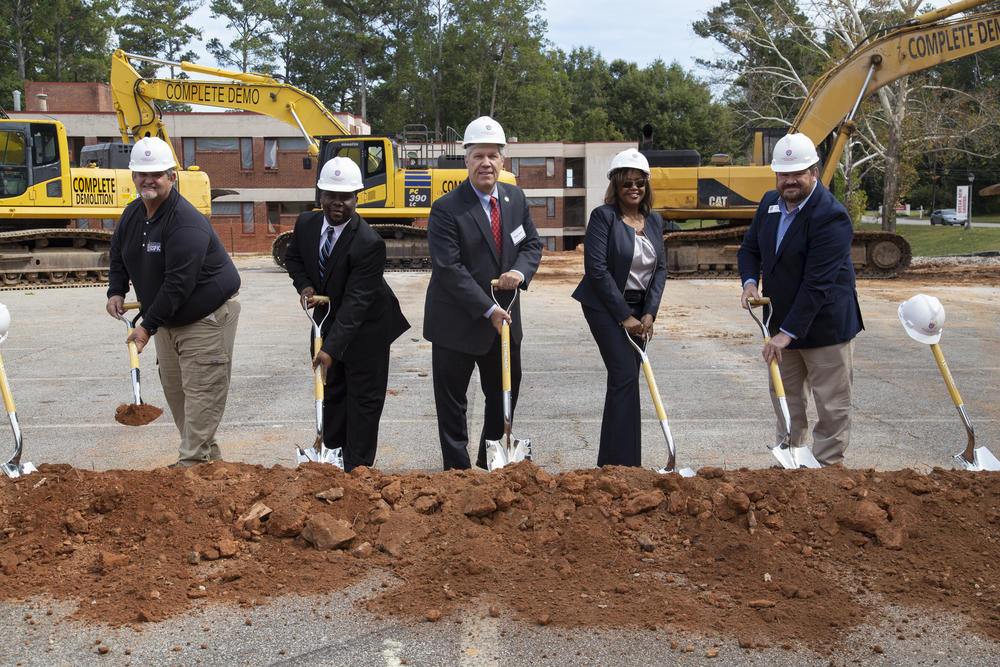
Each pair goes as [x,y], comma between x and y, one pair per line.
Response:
[769,557]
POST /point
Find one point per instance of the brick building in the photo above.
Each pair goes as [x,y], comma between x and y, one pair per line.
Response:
[260,185]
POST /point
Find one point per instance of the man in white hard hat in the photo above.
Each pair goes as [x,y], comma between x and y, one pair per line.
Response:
[479,232]
[799,243]
[334,253]
[187,285]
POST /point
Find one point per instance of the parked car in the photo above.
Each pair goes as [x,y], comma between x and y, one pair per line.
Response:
[945,216]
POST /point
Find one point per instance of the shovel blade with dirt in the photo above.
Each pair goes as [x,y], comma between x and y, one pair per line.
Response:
[12,467]
[319,452]
[136,413]
[790,457]
[508,449]
[661,414]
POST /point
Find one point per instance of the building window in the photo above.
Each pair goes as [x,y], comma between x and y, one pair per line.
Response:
[270,153]
[550,207]
[550,243]
[276,209]
[225,208]
[293,144]
[188,150]
[246,216]
[569,177]
[246,153]
[550,167]
[217,143]
[532,161]
[535,201]
[515,164]
[108,223]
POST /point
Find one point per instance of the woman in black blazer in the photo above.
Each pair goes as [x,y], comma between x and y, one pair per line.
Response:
[625,268]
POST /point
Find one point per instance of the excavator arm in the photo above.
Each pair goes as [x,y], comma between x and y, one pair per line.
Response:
[927,40]
[138,117]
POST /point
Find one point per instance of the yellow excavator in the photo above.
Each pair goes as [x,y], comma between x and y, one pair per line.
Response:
[40,194]
[398,190]
[684,190]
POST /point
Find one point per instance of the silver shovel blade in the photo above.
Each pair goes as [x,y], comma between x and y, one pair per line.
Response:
[683,472]
[982,459]
[804,458]
[323,455]
[15,470]
[498,454]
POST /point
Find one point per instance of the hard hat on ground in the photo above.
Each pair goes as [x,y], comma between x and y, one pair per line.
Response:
[923,318]
[793,152]
[629,158]
[340,174]
[484,130]
[151,154]
[4,320]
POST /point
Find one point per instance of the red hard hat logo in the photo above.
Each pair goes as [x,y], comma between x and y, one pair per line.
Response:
[489,127]
[336,172]
[788,153]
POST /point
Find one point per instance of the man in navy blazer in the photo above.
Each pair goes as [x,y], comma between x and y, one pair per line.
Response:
[799,244]
[479,232]
[364,318]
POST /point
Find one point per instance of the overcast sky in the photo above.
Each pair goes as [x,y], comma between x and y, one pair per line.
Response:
[639,31]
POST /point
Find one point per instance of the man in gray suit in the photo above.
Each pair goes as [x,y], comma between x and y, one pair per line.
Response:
[479,232]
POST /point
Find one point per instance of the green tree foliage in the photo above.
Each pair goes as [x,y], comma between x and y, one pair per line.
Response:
[252,47]
[160,30]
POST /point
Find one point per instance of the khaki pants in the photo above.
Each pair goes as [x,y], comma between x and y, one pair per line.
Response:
[195,365]
[829,373]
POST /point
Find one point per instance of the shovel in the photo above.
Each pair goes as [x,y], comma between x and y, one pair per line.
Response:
[509,449]
[973,458]
[319,452]
[661,414]
[13,468]
[136,413]
[788,455]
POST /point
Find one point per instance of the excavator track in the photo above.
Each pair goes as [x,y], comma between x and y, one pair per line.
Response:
[712,252]
[61,257]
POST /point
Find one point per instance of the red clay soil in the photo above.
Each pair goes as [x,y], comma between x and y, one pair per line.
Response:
[137,415]
[770,557]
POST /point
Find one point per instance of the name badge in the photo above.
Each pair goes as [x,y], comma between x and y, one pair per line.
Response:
[518,234]
[153,246]
[773,208]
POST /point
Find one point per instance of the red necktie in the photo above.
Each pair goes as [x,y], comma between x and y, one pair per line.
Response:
[495,224]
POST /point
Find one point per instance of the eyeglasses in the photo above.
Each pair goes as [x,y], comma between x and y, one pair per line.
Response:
[638,183]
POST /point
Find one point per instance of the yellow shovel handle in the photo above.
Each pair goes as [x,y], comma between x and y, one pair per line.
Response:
[317,345]
[8,400]
[779,386]
[946,374]
[654,391]
[505,355]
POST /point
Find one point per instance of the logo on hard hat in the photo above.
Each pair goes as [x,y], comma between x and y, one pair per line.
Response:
[148,153]
[336,172]
[930,325]
[788,152]
[489,127]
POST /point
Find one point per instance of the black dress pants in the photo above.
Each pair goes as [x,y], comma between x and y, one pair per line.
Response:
[452,372]
[621,424]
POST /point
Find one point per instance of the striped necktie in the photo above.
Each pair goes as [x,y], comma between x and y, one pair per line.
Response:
[325,250]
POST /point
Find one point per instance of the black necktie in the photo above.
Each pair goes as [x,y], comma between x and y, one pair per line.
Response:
[325,250]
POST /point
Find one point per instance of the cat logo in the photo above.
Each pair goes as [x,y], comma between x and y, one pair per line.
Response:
[717,202]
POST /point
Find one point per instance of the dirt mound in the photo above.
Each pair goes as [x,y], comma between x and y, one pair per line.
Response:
[768,556]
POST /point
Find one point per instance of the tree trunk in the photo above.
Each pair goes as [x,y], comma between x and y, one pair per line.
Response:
[364,88]
[893,148]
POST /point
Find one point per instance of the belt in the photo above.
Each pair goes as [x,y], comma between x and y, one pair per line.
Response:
[633,296]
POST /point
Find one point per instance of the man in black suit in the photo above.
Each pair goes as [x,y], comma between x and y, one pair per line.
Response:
[479,232]
[335,253]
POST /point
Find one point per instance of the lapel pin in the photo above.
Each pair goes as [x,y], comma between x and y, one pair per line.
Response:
[506,199]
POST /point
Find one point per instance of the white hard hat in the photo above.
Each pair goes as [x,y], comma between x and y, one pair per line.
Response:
[340,174]
[4,320]
[793,152]
[151,154]
[923,318]
[484,130]
[629,158]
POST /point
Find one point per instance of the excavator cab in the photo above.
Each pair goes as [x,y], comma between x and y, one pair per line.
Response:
[13,159]
[372,155]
